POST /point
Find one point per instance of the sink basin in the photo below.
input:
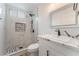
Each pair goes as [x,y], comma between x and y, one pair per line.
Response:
[70,41]
[61,38]
[65,39]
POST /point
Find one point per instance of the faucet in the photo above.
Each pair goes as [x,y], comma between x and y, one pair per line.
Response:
[70,35]
[67,33]
[77,36]
[58,31]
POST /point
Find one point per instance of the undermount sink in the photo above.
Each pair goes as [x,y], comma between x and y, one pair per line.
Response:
[64,38]
[70,40]
[61,38]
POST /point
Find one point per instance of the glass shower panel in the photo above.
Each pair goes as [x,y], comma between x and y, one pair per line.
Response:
[13,12]
[21,14]
[0,11]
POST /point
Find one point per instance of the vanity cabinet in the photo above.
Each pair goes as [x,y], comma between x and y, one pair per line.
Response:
[46,49]
[52,48]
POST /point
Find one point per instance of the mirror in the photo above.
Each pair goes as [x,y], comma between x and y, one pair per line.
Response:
[63,16]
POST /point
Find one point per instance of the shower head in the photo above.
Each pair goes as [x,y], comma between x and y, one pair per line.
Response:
[31,15]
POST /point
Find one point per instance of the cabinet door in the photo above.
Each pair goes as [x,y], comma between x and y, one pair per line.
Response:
[53,52]
[46,49]
[63,50]
[51,48]
[42,47]
[50,51]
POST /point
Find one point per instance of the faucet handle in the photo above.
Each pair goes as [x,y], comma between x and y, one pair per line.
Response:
[77,36]
[67,33]
[58,31]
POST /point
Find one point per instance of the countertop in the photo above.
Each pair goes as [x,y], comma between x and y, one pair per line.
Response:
[61,39]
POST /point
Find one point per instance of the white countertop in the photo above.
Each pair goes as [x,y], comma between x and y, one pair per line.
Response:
[61,39]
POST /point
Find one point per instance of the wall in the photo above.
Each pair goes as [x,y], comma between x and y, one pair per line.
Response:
[2,31]
[44,21]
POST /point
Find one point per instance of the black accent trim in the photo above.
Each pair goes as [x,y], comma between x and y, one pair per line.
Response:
[47,53]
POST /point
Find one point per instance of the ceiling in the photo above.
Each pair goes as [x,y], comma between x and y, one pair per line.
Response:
[26,6]
[32,7]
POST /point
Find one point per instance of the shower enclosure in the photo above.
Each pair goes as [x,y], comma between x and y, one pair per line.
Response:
[18,29]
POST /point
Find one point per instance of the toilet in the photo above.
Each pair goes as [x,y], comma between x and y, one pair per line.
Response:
[33,49]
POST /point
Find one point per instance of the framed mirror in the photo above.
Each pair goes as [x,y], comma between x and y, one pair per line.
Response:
[64,16]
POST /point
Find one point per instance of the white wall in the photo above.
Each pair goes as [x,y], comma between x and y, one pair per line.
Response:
[44,21]
[2,27]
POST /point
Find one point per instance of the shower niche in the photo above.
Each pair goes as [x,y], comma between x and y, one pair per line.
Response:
[20,27]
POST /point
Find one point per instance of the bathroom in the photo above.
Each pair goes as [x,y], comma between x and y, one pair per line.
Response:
[25,25]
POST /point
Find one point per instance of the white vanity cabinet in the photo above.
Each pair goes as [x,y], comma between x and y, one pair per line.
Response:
[52,48]
[44,49]
[48,49]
